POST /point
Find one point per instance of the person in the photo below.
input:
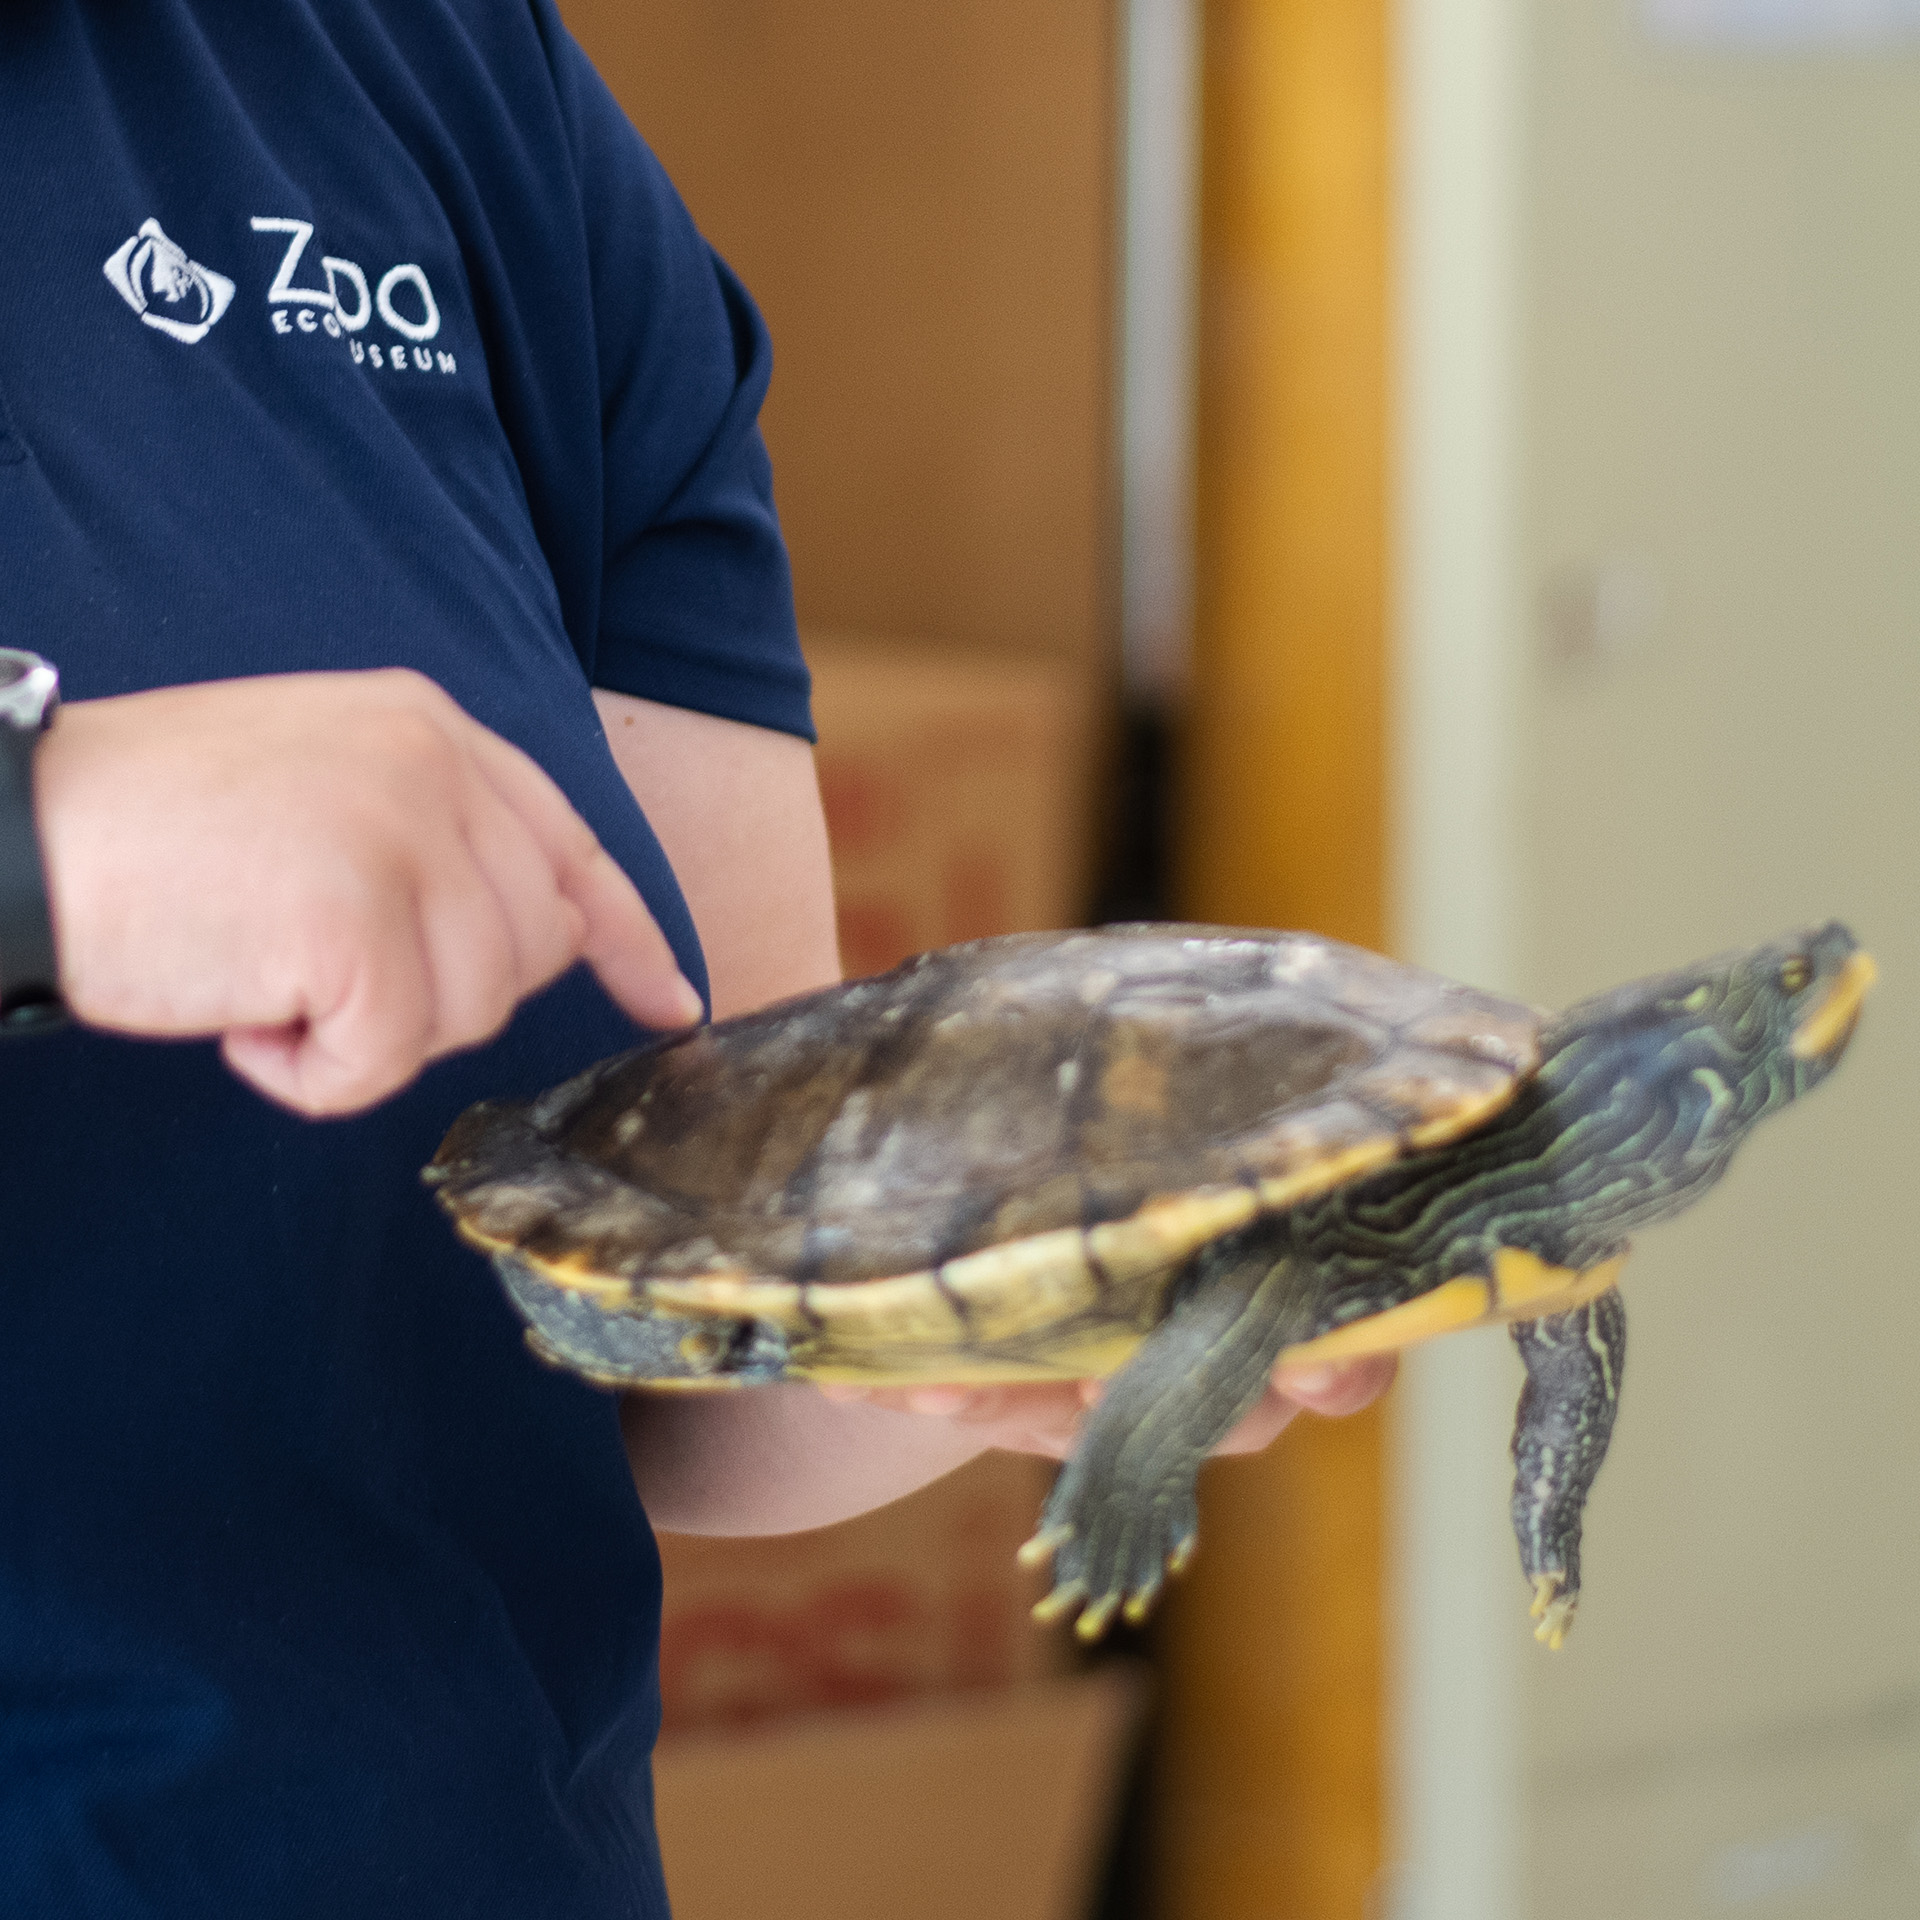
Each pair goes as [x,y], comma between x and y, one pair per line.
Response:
[379,466]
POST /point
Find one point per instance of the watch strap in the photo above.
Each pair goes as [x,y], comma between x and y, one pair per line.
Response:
[29,970]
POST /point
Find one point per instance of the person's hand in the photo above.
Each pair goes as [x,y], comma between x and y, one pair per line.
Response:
[1045,1419]
[340,874]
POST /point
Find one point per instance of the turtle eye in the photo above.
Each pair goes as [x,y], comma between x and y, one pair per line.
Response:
[1795,974]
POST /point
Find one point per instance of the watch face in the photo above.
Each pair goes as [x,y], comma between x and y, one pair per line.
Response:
[29,689]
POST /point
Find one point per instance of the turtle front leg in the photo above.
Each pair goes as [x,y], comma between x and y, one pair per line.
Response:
[1123,1513]
[1574,1362]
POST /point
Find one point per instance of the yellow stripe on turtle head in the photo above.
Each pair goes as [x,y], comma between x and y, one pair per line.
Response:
[1832,1020]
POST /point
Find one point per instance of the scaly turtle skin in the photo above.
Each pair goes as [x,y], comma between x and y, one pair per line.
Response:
[1170,1155]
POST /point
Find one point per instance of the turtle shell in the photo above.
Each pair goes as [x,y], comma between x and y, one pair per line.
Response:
[986,1163]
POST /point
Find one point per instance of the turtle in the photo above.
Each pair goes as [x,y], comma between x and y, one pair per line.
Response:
[1166,1156]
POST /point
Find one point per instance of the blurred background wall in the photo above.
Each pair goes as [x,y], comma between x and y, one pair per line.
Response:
[1667,252]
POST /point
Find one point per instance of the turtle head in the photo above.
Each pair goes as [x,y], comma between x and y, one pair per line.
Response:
[1777,1017]
[1783,1012]
[1663,1079]
[1838,973]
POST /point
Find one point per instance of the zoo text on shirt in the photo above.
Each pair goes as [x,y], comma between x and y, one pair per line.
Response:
[344,306]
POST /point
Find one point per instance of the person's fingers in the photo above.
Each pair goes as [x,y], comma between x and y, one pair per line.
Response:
[352,877]
[292,1068]
[1045,1418]
[473,968]
[1261,1425]
[361,995]
[544,929]
[526,892]
[265,1058]
[619,938]
[626,949]
[495,928]
[941,1401]
[353,1050]
[1338,1389]
[1330,1390]
[1041,1417]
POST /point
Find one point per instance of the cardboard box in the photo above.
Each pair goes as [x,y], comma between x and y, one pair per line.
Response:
[922,1597]
[986,1807]
[921,201]
[956,794]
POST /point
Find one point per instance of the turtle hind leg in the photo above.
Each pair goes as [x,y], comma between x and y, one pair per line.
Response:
[1123,1513]
[1574,1362]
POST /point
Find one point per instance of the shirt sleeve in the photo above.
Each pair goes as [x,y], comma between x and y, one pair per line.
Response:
[696,595]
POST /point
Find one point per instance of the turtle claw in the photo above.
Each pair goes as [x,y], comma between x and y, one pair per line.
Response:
[1112,1548]
[1553,1609]
[1093,1620]
[1060,1602]
[1096,1615]
[1111,1568]
[1043,1546]
[1071,1590]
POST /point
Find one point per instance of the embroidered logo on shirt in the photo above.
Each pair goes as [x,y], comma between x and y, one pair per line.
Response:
[185,300]
[403,298]
[180,297]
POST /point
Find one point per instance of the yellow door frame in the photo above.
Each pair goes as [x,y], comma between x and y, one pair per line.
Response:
[1270,1778]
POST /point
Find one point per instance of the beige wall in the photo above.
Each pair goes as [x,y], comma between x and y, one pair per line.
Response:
[1720,402]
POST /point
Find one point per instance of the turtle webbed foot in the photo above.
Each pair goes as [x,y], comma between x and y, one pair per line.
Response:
[1124,1513]
[1110,1559]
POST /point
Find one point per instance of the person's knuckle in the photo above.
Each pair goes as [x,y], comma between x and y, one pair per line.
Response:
[488,1022]
[353,913]
[561,938]
[364,977]
[346,1091]
[483,1002]
[415,744]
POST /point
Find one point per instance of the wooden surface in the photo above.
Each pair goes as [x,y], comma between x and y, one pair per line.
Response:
[1282,817]
[1270,1787]
[920,199]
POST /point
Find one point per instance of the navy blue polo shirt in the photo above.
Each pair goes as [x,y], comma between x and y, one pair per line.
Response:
[338,334]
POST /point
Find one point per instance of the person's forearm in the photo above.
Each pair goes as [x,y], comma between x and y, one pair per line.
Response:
[786,1458]
[780,1459]
[737,809]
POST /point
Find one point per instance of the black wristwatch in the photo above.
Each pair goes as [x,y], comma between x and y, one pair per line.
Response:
[29,973]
